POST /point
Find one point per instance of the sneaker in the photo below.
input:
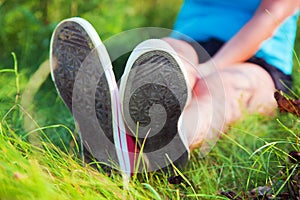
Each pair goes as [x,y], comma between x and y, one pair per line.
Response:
[154,91]
[82,72]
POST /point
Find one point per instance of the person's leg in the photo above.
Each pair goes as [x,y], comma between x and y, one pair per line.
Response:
[247,88]
[221,98]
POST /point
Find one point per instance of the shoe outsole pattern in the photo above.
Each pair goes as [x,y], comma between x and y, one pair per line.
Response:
[154,93]
[73,42]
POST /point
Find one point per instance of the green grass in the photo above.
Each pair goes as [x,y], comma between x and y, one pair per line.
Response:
[253,153]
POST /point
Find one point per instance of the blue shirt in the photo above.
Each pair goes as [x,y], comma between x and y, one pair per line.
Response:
[205,19]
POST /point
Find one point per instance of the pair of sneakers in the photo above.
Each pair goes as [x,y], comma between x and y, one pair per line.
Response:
[141,117]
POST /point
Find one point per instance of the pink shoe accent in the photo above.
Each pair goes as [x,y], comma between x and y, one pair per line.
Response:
[133,151]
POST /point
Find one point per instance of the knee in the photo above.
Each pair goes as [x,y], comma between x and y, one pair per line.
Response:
[250,89]
[183,49]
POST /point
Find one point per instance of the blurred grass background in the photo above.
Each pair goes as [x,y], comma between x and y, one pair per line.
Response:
[27,25]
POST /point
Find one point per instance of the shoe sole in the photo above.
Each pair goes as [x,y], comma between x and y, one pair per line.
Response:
[82,73]
[154,92]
